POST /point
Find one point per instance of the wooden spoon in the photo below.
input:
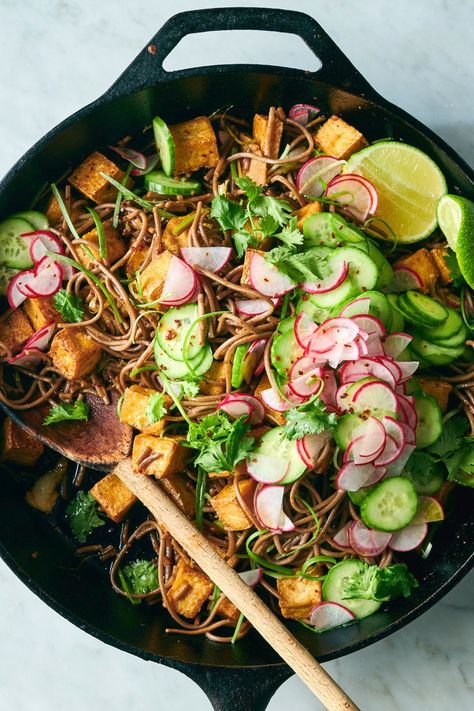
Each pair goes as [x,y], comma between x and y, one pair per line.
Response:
[102,442]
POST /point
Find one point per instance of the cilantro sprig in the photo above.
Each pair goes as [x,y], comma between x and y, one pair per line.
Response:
[78,410]
[221,444]
[155,409]
[138,578]
[309,418]
[381,584]
[83,516]
[70,306]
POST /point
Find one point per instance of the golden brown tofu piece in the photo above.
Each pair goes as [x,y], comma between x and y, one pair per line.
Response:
[214,382]
[41,311]
[337,138]
[88,180]
[439,389]
[264,384]
[175,234]
[256,169]
[53,211]
[422,263]
[190,588]
[298,596]
[136,259]
[113,496]
[15,330]
[310,209]
[176,486]
[195,145]
[267,131]
[438,255]
[228,609]
[158,456]
[226,505]
[116,247]
[18,446]
[74,353]
[153,277]
[245,278]
[133,409]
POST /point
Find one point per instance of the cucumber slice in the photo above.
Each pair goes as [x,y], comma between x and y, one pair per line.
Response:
[314,312]
[157,182]
[425,308]
[37,220]
[337,296]
[357,497]
[285,349]
[430,420]
[398,322]
[450,333]
[274,443]
[434,354]
[318,230]
[347,233]
[345,427]
[362,269]
[14,251]
[426,479]
[409,314]
[165,146]
[238,374]
[6,275]
[335,582]
[385,270]
[379,307]
[176,369]
[391,505]
[173,329]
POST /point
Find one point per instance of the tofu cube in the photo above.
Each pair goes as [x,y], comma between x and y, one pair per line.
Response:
[136,259]
[438,255]
[87,178]
[189,590]
[298,596]
[175,234]
[214,382]
[245,278]
[439,389]
[228,509]
[41,311]
[195,145]
[166,455]
[264,384]
[267,132]
[176,486]
[113,496]
[74,353]
[228,610]
[53,211]
[15,330]
[256,170]
[116,247]
[18,446]
[153,277]
[337,138]
[310,209]
[133,409]
[424,266]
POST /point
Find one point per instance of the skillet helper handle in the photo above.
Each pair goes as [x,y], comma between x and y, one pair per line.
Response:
[336,69]
[244,598]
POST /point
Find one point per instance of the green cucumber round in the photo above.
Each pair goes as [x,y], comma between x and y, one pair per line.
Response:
[275,444]
[157,182]
[430,420]
[285,349]
[173,330]
[165,146]
[335,582]
[14,250]
[391,505]
[424,308]
[37,220]
[176,369]
[6,275]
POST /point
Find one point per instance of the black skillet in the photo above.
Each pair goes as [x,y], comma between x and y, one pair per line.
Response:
[246,675]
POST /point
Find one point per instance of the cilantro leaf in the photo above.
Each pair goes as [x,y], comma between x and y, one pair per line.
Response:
[422,467]
[83,515]
[189,387]
[69,306]
[381,584]
[141,576]
[242,241]
[299,266]
[221,444]
[155,408]
[229,214]
[290,234]
[454,269]
[250,188]
[309,418]
[267,206]
[451,437]
[78,410]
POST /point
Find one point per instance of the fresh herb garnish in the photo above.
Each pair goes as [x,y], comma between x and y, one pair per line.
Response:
[381,584]
[63,209]
[83,516]
[299,266]
[454,270]
[222,444]
[189,387]
[69,306]
[309,418]
[128,194]
[141,577]
[155,408]
[200,496]
[100,233]
[118,201]
[78,410]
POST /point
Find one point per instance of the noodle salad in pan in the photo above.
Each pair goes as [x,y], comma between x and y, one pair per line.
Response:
[284,315]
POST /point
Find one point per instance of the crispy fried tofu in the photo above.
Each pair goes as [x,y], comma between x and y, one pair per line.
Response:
[245,278]
[133,409]
[337,138]
[214,382]
[190,588]
[88,180]
[116,247]
[113,496]
[154,275]
[439,389]
[175,234]
[15,330]
[195,145]
[256,169]
[41,311]
[136,259]
[226,505]
[18,446]
[176,486]
[167,455]
[228,609]
[438,255]
[264,384]
[424,266]
[74,353]
[298,596]
[310,209]
[53,211]
[267,131]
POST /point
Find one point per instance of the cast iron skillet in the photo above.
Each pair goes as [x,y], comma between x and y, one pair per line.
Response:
[244,676]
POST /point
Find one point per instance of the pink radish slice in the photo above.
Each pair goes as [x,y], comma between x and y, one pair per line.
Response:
[375,396]
[273,400]
[341,538]
[134,157]
[235,407]
[352,371]
[48,277]
[328,395]
[408,368]
[180,284]
[367,541]
[327,615]
[28,358]
[390,453]
[151,161]
[328,283]
[396,343]
[266,278]
[16,293]
[316,173]
[430,510]
[269,509]
[374,346]
[409,433]
[303,365]
[260,367]
[409,537]
[405,278]
[252,577]
[304,328]
[370,324]
[352,194]
[394,429]
[401,389]
[267,469]
[358,307]
[41,338]
[213,259]
[308,384]
[310,446]
[406,410]
[257,412]
[42,241]
[392,365]
[398,465]
[253,307]
[352,477]
[303,113]
[369,440]
[343,401]
[252,358]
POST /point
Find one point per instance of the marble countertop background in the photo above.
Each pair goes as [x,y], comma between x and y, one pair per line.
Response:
[58,55]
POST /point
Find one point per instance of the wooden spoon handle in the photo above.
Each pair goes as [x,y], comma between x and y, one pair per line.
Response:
[244,598]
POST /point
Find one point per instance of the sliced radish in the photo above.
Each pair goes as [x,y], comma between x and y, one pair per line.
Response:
[304,328]
[398,465]
[368,440]
[42,241]
[180,284]
[329,282]
[303,365]
[352,371]
[343,400]
[328,395]
[409,433]
[352,477]
[391,452]
[48,277]
[370,324]
[406,410]
[252,358]
[303,113]
[267,469]
[405,278]
[213,259]
[269,509]
[326,615]
[341,538]
[266,278]
[367,541]
[235,407]
[151,161]
[374,346]
[257,412]
[375,395]
[395,429]
[41,338]
[409,537]
[16,292]
[259,368]
[253,307]
[310,447]
[353,194]
[273,400]
[396,343]
[316,173]
[401,389]
[408,368]
[252,577]
[28,358]
[308,384]
[358,307]
[134,157]
[392,365]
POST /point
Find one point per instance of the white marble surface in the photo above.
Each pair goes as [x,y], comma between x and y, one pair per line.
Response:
[57,55]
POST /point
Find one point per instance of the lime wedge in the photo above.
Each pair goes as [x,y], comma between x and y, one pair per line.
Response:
[456,220]
[409,185]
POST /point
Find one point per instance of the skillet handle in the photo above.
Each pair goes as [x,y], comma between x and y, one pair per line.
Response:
[147,68]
